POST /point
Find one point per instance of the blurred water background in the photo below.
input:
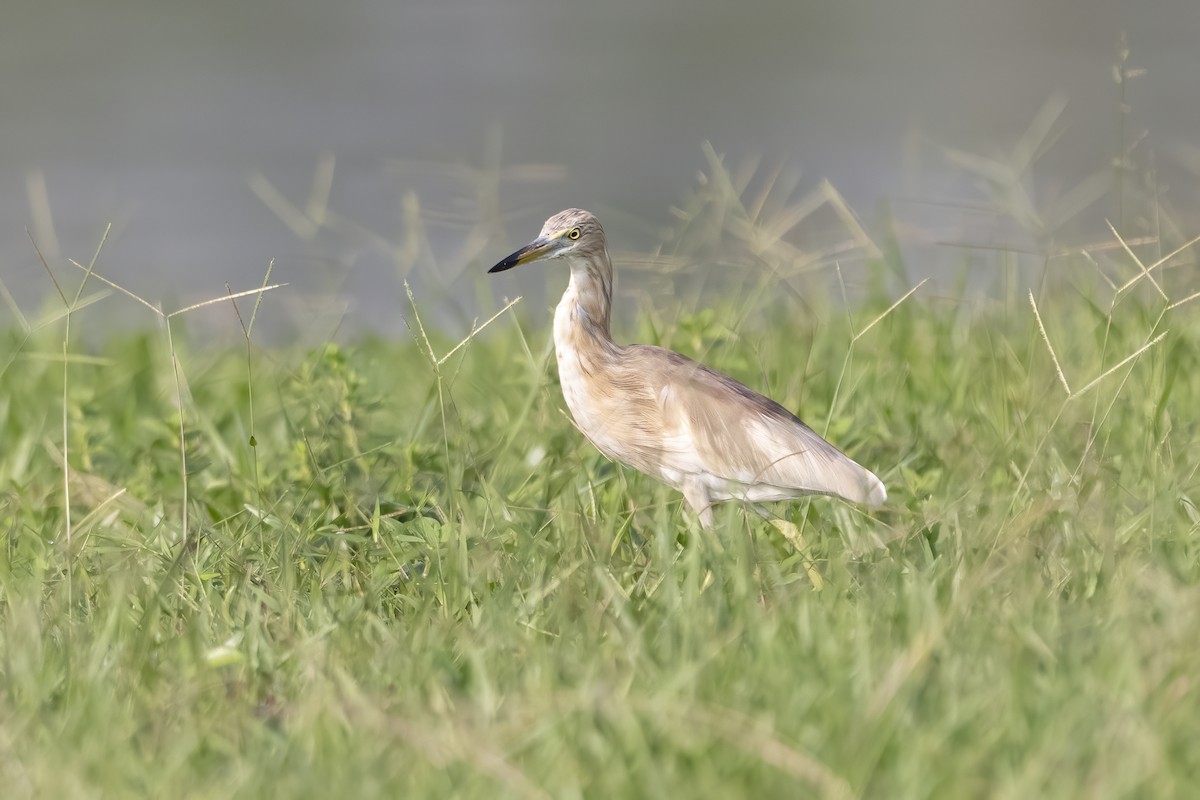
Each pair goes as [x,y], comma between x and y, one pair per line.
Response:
[361,143]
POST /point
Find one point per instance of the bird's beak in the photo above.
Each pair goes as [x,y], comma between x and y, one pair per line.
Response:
[538,248]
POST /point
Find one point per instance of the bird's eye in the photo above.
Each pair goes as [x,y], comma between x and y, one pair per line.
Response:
[573,233]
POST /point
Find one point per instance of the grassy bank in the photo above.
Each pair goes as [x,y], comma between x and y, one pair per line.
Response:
[405,574]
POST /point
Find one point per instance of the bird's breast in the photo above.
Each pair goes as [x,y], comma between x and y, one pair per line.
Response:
[588,366]
[583,387]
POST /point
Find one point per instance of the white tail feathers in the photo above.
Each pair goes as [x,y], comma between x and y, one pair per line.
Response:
[874,493]
[851,481]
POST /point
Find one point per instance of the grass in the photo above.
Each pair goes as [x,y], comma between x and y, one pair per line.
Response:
[395,569]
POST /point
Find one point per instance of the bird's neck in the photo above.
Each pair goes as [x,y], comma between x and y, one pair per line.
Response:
[586,306]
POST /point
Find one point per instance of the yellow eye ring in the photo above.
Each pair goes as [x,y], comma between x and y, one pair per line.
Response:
[573,233]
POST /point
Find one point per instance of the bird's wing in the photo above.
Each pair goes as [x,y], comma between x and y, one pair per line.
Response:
[716,425]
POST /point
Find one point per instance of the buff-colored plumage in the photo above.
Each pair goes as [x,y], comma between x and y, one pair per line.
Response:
[662,413]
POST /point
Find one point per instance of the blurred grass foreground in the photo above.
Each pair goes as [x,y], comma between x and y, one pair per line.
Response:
[393,568]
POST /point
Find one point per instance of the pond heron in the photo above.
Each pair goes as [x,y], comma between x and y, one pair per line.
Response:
[670,417]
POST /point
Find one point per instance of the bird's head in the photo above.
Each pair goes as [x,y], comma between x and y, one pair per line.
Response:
[573,233]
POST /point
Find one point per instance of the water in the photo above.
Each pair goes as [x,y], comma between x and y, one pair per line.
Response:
[156,118]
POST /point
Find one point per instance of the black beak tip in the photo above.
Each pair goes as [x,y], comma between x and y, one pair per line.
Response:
[508,263]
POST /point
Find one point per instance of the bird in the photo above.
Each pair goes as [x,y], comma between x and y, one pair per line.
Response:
[695,429]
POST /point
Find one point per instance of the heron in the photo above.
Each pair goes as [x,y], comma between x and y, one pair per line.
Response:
[672,418]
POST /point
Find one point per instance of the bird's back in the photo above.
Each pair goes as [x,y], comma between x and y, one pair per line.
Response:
[674,418]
